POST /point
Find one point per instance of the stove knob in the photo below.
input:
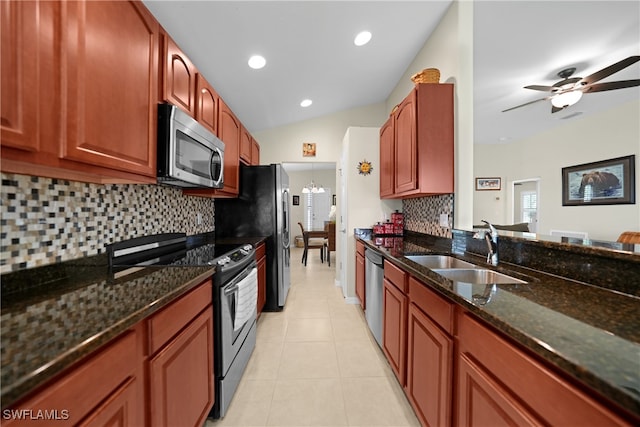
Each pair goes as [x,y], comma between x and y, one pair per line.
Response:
[224,261]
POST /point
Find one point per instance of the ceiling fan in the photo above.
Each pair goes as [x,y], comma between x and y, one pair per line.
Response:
[569,90]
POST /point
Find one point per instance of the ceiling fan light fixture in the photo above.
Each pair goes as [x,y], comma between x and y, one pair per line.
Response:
[566,99]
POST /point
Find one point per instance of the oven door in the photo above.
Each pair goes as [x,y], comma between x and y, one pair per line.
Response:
[237,314]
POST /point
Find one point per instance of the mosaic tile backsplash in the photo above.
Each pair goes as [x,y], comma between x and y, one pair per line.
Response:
[422,214]
[46,220]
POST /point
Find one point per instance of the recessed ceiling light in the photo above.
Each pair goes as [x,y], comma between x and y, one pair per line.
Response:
[256,62]
[306,103]
[362,38]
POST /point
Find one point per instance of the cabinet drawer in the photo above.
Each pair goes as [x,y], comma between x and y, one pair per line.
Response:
[260,251]
[433,305]
[359,247]
[167,323]
[396,276]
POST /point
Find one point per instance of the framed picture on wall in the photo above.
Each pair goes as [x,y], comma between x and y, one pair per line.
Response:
[296,200]
[607,182]
[308,149]
[483,184]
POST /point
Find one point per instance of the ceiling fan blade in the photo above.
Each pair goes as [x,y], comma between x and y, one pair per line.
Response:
[555,109]
[600,87]
[522,105]
[607,71]
[542,88]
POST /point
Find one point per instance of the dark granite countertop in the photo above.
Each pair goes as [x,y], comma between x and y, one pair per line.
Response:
[590,333]
[53,316]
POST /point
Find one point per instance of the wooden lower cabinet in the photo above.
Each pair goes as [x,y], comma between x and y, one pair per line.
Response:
[457,370]
[500,384]
[181,376]
[429,369]
[158,373]
[120,409]
[103,389]
[261,259]
[394,328]
[360,274]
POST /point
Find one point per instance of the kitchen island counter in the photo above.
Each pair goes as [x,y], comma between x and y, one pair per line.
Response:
[590,333]
[55,315]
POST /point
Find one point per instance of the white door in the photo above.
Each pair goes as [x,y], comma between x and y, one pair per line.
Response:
[526,201]
[317,208]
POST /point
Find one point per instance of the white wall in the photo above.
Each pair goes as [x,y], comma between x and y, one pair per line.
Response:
[611,134]
[284,144]
[363,203]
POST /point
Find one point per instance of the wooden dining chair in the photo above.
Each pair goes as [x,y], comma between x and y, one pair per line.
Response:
[331,240]
[311,244]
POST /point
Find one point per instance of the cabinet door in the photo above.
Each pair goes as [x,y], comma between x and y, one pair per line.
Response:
[406,145]
[207,105]
[230,134]
[387,156]
[21,25]
[360,280]
[110,78]
[394,329]
[120,409]
[245,146]
[429,369]
[179,78]
[482,402]
[181,376]
[255,152]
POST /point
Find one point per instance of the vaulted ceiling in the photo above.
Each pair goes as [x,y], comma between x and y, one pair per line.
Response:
[310,53]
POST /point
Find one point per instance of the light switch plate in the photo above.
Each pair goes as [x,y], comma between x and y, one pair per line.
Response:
[444,220]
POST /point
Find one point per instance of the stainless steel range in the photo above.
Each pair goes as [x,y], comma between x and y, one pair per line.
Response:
[235,287]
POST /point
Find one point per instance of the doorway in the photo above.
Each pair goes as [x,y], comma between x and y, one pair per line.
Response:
[525,202]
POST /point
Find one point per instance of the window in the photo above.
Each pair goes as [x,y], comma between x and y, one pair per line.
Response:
[529,201]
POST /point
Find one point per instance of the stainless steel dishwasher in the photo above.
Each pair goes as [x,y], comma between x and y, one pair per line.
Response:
[373,293]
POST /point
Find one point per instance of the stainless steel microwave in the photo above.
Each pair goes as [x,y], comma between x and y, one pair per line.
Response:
[189,155]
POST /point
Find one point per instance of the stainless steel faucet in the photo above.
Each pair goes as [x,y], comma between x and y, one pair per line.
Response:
[492,243]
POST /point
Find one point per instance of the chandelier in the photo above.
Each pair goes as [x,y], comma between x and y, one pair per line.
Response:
[311,187]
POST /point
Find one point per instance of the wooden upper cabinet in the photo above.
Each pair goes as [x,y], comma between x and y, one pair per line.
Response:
[179,78]
[255,152]
[405,148]
[207,104]
[111,85]
[387,156]
[230,130]
[22,52]
[245,146]
[423,144]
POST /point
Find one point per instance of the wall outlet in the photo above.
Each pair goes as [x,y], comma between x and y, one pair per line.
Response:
[198,218]
[444,220]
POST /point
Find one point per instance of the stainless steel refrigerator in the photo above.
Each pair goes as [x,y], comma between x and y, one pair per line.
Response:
[262,210]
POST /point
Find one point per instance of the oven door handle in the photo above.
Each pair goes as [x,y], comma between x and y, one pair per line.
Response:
[233,285]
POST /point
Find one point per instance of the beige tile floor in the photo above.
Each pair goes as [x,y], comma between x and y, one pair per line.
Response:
[316,364]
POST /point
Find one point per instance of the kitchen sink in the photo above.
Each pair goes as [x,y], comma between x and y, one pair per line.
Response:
[476,276]
[439,261]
